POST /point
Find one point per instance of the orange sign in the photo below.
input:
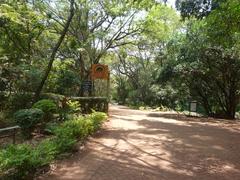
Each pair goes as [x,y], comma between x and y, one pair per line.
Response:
[99,71]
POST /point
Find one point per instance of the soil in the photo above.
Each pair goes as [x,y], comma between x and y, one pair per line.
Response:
[145,145]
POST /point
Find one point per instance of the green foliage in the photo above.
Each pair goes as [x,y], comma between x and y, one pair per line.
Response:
[81,127]
[161,22]
[208,52]
[91,103]
[64,142]
[20,153]
[97,118]
[44,153]
[65,78]
[69,108]
[30,78]
[46,105]
[19,159]
[22,160]
[50,127]
[19,101]
[73,106]
[56,98]
[27,119]
[196,8]
[78,128]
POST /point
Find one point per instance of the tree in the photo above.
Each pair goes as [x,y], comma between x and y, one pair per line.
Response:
[55,49]
[136,64]
[197,8]
[205,55]
[22,31]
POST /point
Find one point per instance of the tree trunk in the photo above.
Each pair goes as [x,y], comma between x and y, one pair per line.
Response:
[54,52]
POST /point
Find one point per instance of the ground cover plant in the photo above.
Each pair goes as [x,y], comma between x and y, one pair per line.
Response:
[22,160]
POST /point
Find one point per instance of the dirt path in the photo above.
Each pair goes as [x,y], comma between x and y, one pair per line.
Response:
[136,145]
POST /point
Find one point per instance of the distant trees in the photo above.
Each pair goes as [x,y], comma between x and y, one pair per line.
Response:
[207,60]
[135,66]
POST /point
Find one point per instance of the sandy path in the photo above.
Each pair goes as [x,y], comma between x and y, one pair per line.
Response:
[137,145]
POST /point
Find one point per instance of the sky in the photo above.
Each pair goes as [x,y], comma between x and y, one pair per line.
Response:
[171,3]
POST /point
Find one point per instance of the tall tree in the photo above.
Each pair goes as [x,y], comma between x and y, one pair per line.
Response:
[209,53]
[55,50]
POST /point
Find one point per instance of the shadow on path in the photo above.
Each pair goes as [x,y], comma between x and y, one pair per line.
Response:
[137,145]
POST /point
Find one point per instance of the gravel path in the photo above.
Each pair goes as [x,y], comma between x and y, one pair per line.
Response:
[143,145]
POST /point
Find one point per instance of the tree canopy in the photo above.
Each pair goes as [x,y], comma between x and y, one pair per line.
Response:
[158,55]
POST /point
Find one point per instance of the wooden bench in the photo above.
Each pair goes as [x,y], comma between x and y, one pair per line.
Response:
[13,131]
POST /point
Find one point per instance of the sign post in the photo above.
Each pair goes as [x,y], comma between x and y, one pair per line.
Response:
[192,107]
[87,87]
[100,79]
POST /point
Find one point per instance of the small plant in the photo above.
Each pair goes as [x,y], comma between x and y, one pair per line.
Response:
[45,152]
[23,160]
[18,158]
[97,118]
[69,108]
[64,143]
[27,119]
[48,107]
[78,128]
[74,106]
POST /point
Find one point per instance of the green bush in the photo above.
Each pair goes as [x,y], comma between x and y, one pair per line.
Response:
[24,159]
[56,98]
[97,118]
[64,143]
[27,119]
[45,152]
[50,127]
[19,101]
[73,106]
[18,160]
[69,109]
[89,103]
[79,127]
[47,106]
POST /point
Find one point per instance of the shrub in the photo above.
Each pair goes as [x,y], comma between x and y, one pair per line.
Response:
[69,108]
[89,103]
[73,106]
[19,101]
[57,98]
[79,127]
[50,127]
[17,158]
[45,152]
[27,119]
[97,119]
[64,143]
[24,159]
[47,106]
